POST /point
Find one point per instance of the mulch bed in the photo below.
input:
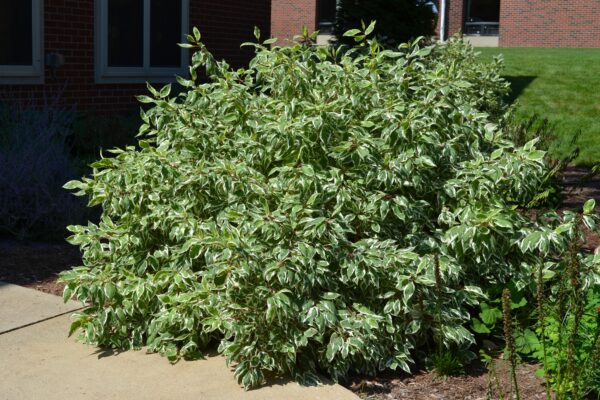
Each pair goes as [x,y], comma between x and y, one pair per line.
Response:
[36,265]
[473,385]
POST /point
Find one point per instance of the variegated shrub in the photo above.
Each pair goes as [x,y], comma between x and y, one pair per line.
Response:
[291,212]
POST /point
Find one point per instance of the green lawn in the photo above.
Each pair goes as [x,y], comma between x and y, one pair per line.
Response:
[562,85]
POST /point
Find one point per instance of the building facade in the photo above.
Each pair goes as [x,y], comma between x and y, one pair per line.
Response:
[288,17]
[98,54]
[506,23]
[531,23]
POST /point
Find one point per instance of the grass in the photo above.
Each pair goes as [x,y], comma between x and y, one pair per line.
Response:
[562,85]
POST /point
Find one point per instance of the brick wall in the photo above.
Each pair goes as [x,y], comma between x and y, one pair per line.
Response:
[456,16]
[289,16]
[550,23]
[69,30]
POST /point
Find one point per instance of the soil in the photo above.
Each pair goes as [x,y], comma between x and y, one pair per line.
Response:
[576,191]
[36,265]
[475,384]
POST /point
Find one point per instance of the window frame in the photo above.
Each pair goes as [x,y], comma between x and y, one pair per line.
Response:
[29,74]
[107,74]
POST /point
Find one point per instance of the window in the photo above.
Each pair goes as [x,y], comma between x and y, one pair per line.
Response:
[483,17]
[21,42]
[136,40]
[326,12]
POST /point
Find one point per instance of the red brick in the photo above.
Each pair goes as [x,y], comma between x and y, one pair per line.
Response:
[69,30]
[540,23]
[550,23]
[289,16]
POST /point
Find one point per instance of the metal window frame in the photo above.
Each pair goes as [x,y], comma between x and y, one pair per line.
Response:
[107,74]
[29,74]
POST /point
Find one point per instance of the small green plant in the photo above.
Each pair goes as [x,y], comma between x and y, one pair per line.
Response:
[447,363]
[494,389]
[541,325]
[511,351]
[566,330]
[568,321]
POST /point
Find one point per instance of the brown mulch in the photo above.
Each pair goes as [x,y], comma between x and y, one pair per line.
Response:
[575,192]
[36,265]
[473,385]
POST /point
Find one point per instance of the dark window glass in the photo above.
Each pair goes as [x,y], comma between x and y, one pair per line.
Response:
[16,32]
[483,10]
[125,33]
[326,11]
[165,33]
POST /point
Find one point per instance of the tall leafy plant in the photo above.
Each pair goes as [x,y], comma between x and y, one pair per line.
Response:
[296,211]
[569,315]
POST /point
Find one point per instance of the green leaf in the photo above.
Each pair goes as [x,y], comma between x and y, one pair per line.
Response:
[271,309]
[334,346]
[352,32]
[67,294]
[408,291]
[109,290]
[370,28]
[526,341]
[589,206]
[75,325]
[367,124]
[413,327]
[145,99]
[103,163]
[540,373]
[71,185]
[310,332]
[165,91]
[479,327]
[476,290]
[490,315]
[197,34]
[518,302]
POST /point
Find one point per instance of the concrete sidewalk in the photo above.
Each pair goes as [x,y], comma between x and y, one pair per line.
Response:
[38,361]
[20,307]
